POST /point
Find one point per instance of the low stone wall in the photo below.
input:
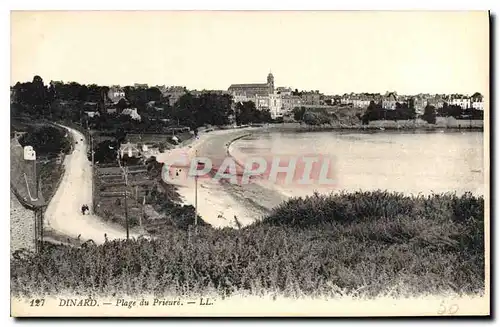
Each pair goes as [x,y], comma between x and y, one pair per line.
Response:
[451,122]
[22,226]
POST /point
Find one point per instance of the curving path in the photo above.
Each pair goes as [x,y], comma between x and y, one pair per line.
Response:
[63,212]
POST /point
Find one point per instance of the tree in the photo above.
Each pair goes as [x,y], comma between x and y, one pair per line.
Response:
[206,109]
[373,112]
[298,113]
[154,94]
[246,113]
[429,114]
[122,104]
[46,140]
[316,118]
[477,95]
[106,151]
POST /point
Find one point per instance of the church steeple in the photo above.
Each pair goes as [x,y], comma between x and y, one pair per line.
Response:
[270,82]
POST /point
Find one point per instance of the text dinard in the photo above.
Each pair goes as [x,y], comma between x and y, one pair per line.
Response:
[132,303]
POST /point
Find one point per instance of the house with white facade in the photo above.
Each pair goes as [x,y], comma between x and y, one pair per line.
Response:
[477,101]
[132,112]
[460,100]
[436,101]
[389,101]
[116,93]
[275,105]
[242,97]
[262,102]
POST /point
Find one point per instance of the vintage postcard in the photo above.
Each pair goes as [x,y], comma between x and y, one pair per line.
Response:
[249,163]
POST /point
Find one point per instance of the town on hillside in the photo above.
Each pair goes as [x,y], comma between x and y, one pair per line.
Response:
[242,104]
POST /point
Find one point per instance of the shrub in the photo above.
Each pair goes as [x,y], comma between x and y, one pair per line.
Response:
[361,244]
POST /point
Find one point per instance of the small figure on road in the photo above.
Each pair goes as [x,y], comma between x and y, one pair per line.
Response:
[85,208]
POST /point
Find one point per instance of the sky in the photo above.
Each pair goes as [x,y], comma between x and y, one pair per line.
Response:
[335,52]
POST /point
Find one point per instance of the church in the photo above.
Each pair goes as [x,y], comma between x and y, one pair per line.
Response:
[252,90]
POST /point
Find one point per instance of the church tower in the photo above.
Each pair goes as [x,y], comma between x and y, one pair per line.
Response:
[270,82]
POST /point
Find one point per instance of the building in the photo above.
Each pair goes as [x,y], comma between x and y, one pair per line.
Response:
[116,93]
[419,103]
[251,90]
[92,114]
[346,99]
[284,90]
[361,100]
[242,98]
[140,86]
[311,98]
[462,101]
[129,149]
[436,101]
[389,101]
[275,105]
[262,102]
[477,101]
[132,112]
[198,93]
[289,102]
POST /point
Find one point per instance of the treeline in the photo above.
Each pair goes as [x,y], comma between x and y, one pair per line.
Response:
[375,111]
[205,109]
[46,140]
[71,101]
[406,111]
[247,113]
[313,118]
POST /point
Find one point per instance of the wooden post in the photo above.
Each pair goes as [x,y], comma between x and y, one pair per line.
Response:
[93,170]
[126,204]
[36,231]
[143,211]
[196,194]
[41,228]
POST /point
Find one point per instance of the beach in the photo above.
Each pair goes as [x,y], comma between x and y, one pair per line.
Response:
[218,203]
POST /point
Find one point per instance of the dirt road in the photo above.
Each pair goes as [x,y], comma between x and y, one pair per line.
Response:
[63,213]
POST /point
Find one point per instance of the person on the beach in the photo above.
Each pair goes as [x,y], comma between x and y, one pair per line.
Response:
[83,209]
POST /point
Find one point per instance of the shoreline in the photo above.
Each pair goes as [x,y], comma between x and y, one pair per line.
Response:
[297,127]
[217,203]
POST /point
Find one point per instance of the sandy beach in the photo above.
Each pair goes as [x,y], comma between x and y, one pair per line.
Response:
[218,203]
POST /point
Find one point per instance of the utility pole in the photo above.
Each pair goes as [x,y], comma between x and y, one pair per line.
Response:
[125,175]
[41,228]
[196,194]
[93,169]
[37,211]
[143,211]
[36,230]
[126,204]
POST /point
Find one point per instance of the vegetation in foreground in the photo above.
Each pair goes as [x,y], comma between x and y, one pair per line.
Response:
[361,244]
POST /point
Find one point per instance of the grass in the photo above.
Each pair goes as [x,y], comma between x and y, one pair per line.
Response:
[50,175]
[365,244]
